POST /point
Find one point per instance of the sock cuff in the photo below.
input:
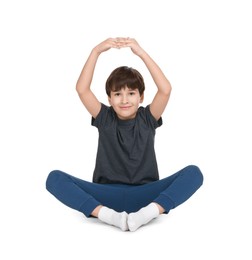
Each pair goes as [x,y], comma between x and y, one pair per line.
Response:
[103,213]
[154,208]
[150,211]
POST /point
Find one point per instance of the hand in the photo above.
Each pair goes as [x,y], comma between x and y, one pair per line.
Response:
[107,44]
[130,42]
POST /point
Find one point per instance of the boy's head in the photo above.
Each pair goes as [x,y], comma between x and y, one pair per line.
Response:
[123,77]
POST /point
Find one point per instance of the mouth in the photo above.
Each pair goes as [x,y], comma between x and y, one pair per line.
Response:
[125,107]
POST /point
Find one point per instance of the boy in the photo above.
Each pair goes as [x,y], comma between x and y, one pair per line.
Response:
[126,191]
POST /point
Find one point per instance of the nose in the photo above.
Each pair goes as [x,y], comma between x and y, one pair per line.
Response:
[124,99]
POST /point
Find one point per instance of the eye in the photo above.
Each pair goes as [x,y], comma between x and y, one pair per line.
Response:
[132,93]
[117,94]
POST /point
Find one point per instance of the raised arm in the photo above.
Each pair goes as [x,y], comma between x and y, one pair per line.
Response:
[83,84]
[161,98]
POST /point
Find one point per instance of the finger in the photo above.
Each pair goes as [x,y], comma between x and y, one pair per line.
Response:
[114,43]
[122,39]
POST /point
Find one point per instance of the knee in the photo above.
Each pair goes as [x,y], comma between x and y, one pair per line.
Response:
[195,173]
[52,179]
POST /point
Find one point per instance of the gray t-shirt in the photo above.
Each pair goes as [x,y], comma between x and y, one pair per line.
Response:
[125,151]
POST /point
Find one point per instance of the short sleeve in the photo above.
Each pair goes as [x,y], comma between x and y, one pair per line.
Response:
[104,116]
[151,120]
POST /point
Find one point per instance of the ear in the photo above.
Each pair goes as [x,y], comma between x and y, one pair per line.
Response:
[142,98]
[109,100]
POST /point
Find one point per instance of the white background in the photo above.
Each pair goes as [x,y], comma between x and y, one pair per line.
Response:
[204,48]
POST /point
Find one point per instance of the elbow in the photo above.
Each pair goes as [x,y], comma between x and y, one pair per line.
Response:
[78,88]
[167,90]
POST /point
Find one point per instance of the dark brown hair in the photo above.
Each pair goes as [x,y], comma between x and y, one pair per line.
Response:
[122,77]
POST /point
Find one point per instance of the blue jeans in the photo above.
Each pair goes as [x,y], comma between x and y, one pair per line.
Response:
[85,196]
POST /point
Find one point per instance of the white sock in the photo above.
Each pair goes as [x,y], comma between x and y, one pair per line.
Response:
[114,218]
[143,216]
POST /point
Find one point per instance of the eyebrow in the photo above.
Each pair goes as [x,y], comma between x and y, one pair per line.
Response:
[130,90]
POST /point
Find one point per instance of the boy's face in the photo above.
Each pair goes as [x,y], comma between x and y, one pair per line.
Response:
[125,102]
